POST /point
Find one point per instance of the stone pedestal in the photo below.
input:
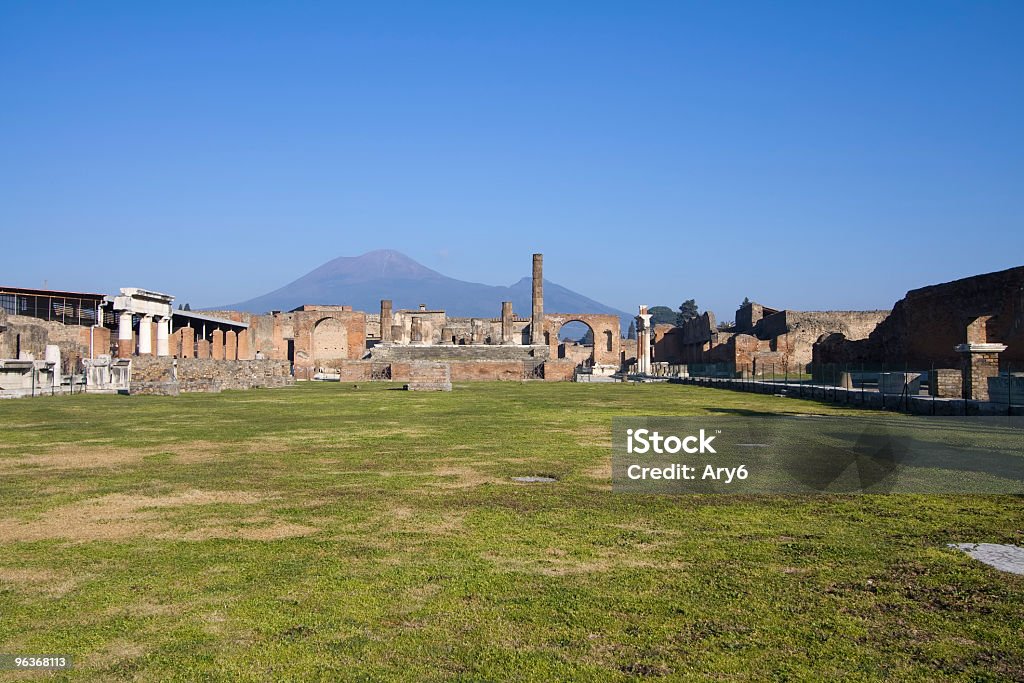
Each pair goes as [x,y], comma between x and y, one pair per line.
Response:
[980,364]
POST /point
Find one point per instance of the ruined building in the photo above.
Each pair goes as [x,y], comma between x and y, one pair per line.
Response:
[217,349]
[762,337]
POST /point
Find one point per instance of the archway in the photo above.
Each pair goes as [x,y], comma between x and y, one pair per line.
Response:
[330,340]
[576,342]
[603,328]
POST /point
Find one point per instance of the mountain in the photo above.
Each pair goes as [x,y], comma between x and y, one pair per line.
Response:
[362,281]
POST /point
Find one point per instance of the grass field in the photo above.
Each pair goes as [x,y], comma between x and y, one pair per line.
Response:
[332,532]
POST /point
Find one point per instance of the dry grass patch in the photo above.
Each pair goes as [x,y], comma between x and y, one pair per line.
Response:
[45,582]
[116,516]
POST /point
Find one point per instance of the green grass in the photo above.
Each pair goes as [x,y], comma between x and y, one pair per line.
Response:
[332,532]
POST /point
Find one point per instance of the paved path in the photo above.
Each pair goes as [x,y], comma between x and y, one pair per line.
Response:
[1008,558]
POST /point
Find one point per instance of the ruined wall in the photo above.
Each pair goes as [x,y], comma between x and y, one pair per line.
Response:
[926,325]
[559,370]
[325,335]
[156,374]
[794,333]
[31,335]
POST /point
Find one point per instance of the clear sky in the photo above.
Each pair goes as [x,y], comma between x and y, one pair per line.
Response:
[805,154]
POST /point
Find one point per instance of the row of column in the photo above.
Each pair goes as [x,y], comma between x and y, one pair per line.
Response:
[222,345]
[125,345]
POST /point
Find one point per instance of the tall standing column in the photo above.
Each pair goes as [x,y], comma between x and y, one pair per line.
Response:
[643,341]
[146,335]
[124,335]
[386,321]
[163,331]
[506,323]
[537,314]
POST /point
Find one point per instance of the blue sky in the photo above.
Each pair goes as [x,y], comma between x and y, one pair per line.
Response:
[807,155]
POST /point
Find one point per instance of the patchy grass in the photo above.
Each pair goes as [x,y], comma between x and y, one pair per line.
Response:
[337,532]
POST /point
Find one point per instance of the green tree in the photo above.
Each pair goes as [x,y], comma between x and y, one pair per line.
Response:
[746,302]
[631,334]
[687,311]
[662,315]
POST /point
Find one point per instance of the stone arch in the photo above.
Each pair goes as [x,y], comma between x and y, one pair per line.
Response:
[330,340]
[605,329]
[562,349]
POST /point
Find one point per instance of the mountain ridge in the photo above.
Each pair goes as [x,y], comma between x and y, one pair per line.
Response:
[362,281]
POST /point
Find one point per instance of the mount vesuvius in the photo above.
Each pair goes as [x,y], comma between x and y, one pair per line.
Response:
[362,281]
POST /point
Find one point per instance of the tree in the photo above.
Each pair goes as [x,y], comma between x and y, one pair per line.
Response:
[662,315]
[632,331]
[687,311]
[187,307]
[746,302]
[588,338]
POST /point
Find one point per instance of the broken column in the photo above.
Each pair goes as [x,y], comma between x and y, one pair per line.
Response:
[416,330]
[125,347]
[506,323]
[163,331]
[386,321]
[243,345]
[217,345]
[188,342]
[980,360]
[230,345]
[397,334]
[537,314]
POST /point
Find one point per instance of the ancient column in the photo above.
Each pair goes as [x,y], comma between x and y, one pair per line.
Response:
[243,345]
[230,345]
[188,342]
[397,334]
[447,335]
[217,345]
[146,336]
[386,321]
[163,331]
[506,323]
[124,335]
[537,315]
[416,330]
[643,341]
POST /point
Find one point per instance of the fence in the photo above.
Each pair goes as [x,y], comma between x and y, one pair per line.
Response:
[888,386]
